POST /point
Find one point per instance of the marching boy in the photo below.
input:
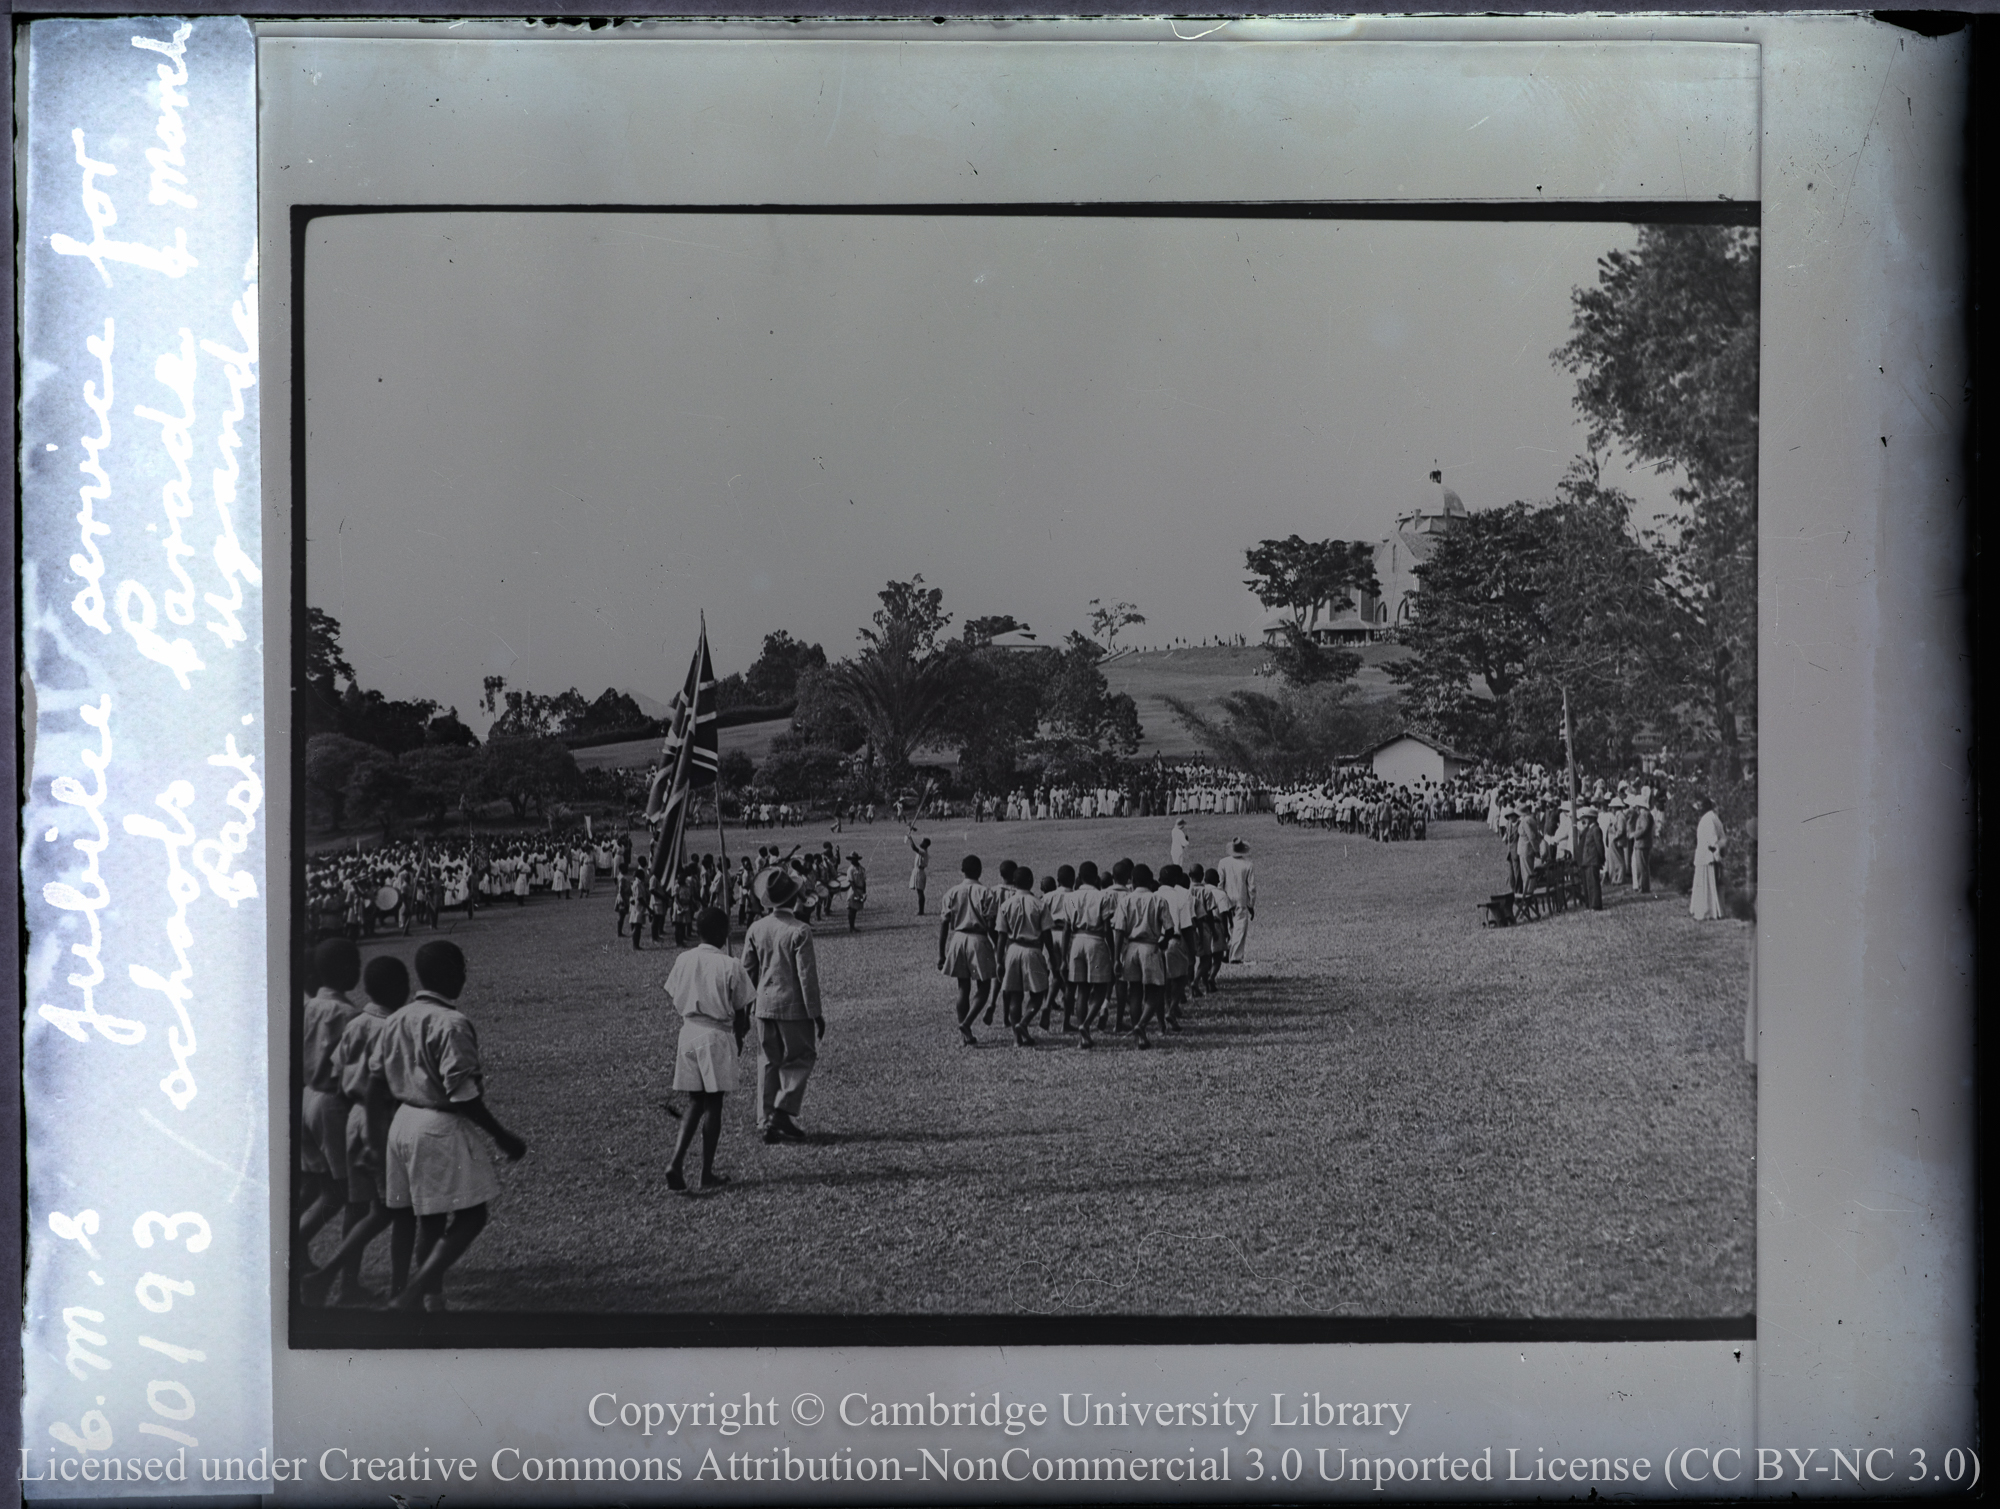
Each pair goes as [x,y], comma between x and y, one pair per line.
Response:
[358,1063]
[1142,929]
[965,944]
[1023,924]
[713,994]
[336,970]
[438,1177]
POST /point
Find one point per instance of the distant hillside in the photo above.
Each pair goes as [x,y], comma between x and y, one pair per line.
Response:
[754,739]
[1199,677]
[1203,677]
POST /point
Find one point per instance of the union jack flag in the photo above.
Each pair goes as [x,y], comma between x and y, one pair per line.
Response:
[688,762]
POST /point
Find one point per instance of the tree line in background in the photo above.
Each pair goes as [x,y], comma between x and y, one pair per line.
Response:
[1012,712]
[1644,628]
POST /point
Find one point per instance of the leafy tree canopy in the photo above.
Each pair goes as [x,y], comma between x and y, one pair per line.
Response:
[773,678]
[1108,621]
[324,662]
[1310,578]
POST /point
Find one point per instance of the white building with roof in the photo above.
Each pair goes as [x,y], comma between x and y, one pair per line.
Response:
[1411,757]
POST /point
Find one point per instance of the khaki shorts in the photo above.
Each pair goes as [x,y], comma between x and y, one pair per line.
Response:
[1090,959]
[1027,969]
[323,1133]
[1144,963]
[436,1163]
[968,956]
[1180,963]
[364,1184]
[706,1059]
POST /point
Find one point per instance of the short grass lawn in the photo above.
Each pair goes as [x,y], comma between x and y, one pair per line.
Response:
[1388,1111]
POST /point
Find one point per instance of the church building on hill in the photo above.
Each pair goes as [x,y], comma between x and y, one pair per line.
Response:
[1432,515]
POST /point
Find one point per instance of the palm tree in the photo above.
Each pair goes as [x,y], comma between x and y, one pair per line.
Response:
[903,699]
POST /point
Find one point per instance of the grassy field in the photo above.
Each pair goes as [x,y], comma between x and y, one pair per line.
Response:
[1203,677]
[1388,1112]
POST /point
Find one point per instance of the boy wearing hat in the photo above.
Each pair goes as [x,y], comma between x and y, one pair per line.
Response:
[714,995]
[779,958]
[1590,857]
[965,943]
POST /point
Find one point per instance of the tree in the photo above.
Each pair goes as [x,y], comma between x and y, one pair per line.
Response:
[1309,578]
[802,773]
[324,662]
[912,615]
[903,700]
[820,717]
[527,715]
[1079,713]
[330,762]
[1108,622]
[446,729]
[1665,353]
[391,726]
[735,770]
[376,787]
[439,776]
[902,686]
[613,711]
[527,772]
[1475,617]
[773,679]
[1536,601]
[981,632]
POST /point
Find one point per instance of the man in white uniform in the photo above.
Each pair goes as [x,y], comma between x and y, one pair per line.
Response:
[1239,884]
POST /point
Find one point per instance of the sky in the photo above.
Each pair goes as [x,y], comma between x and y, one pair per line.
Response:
[542,446]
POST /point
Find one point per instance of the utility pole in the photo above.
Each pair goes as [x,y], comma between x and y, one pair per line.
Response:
[1569,752]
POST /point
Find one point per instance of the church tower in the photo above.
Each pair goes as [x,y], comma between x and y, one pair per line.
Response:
[1435,512]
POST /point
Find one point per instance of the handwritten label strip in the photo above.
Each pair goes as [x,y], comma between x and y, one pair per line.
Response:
[147,1327]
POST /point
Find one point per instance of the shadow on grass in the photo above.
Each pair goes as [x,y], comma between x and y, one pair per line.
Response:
[836,1178]
[1180,1184]
[929,1139]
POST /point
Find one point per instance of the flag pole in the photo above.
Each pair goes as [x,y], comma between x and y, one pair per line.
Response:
[721,842]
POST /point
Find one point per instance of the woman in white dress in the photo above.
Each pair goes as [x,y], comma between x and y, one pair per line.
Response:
[1709,842]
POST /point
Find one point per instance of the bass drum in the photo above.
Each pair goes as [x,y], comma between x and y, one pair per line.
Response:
[388,899]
